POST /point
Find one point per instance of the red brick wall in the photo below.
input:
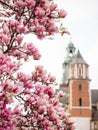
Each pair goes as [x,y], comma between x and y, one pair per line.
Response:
[80,112]
[84,95]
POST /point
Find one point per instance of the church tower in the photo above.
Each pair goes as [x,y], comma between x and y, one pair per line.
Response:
[70,54]
[79,92]
[76,83]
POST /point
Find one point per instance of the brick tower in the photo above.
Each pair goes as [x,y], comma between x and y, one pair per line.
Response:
[76,82]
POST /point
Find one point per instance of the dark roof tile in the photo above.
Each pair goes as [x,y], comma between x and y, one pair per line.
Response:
[94,96]
[78,59]
[95,116]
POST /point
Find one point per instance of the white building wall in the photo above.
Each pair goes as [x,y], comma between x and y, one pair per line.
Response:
[70,72]
[81,123]
[84,71]
[75,70]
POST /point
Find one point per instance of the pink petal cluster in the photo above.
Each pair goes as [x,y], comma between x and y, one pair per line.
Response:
[7,66]
[37,103]
[28,102]
[62,13]
[28,11]
[47,110]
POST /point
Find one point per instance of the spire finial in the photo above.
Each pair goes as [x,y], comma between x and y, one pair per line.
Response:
[70,49]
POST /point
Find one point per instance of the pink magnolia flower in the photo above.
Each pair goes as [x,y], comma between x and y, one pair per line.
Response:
[54,117]
[39,69]
[40,29]
[15,89]
[51,28]
[40,36]
[36,56]
[19,39]
[62,13]
[36,22]
[38,88]
[52,79]
[61,94]
[42,109]
[20,4]
[39,12]
[40,117]
[44,78]
[5,30]
[46,123]
[56,102]
[48,90]
[30,46]
[21,29]
[5,39]
[30,3]
[13,23]
[53,6]
[27,91]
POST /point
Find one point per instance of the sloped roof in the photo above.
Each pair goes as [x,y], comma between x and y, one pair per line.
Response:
[64,99]
[94,96]
[95,116]
[78,59]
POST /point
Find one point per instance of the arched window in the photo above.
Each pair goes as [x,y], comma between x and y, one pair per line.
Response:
[70,51]
[80,87]
[80,101]
[79,71]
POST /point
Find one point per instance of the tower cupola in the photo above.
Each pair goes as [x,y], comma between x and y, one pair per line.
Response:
[70,49]
[78,67]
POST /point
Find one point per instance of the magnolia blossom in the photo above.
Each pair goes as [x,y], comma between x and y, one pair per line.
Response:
[28,101]
[62,13]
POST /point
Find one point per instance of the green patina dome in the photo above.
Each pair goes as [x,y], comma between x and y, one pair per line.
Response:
[70,48]
[70,44]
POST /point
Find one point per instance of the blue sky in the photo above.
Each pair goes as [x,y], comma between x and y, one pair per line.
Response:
[82,23]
